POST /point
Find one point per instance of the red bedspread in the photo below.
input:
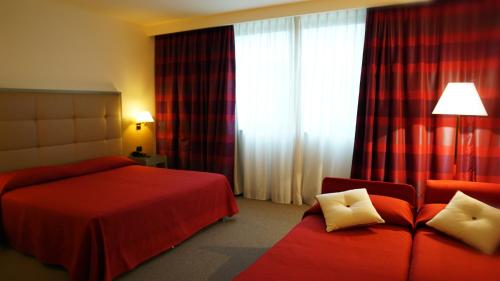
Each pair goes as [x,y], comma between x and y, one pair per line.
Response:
[308,252]
[105,222]
[437,256]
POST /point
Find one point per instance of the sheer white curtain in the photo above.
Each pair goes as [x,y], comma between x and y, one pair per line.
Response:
[297,82]
[331,57]
[265,109]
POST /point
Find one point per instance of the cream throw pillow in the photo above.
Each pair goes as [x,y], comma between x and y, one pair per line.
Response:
[348,208]
[470,220]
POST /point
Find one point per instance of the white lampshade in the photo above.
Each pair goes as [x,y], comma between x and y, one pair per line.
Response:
[144,117]
[460,99]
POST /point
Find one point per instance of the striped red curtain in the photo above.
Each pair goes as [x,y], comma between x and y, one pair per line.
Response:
[195,99]
[411,52]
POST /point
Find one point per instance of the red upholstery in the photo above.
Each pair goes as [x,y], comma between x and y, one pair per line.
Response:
[380,252]
[308,252]
[441,191]
[427,212]
[394,211]
[436,256]
[397,190]
[377,252]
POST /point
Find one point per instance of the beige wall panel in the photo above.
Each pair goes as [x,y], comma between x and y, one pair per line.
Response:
[18,135]
[91,129]
[89,150]
[89,106]
[56,132]
[56,106]
[55,140]
[114,146]
[55,155]
[113,107]
[113,127]
[18,159]
[21,107]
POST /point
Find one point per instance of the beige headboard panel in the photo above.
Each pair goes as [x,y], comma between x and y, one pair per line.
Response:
[45,127]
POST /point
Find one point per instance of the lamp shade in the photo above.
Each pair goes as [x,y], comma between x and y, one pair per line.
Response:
[460,99]
[144,117]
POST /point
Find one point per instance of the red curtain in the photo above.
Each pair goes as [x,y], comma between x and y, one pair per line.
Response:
[195,99]
[411,53]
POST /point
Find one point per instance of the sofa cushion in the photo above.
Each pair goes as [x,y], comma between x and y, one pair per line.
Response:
[347,209]
[471,221]
[393,211]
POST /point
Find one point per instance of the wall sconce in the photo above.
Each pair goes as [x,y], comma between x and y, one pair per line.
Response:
[142,118]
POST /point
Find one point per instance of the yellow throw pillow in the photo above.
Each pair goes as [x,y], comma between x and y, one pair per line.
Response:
[348,208]
[471,221]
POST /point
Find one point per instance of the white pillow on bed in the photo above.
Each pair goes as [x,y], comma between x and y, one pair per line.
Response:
[471,221]
[348,208]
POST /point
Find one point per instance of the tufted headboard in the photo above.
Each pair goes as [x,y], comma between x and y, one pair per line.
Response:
[48,127]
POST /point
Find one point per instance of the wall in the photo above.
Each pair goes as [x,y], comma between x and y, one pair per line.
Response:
[52,45]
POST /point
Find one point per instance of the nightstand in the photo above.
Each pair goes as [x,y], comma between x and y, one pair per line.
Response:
[151,160]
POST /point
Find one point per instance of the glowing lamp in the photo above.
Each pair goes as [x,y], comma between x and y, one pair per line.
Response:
[460,99]
[142,118]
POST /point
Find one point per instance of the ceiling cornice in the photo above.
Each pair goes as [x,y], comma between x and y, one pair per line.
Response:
[285,10]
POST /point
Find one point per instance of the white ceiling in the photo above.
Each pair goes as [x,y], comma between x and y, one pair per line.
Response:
[148,12]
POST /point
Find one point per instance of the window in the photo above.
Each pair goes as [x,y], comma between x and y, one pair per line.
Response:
[297,84]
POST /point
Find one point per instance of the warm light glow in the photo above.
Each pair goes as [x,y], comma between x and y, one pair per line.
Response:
[460,99]
[144,117]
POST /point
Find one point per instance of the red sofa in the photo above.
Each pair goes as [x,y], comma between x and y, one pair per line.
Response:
[378,252]
[436,256]
[390,251]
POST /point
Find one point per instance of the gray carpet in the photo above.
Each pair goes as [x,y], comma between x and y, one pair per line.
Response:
[218,252]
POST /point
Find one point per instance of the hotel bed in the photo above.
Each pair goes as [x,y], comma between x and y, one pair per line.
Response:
[377,252]
[436,256]
[66,200]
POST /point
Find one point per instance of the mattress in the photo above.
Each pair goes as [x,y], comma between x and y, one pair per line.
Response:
[103,217]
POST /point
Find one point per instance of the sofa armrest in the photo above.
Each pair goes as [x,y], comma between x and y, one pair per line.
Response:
[441,191]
